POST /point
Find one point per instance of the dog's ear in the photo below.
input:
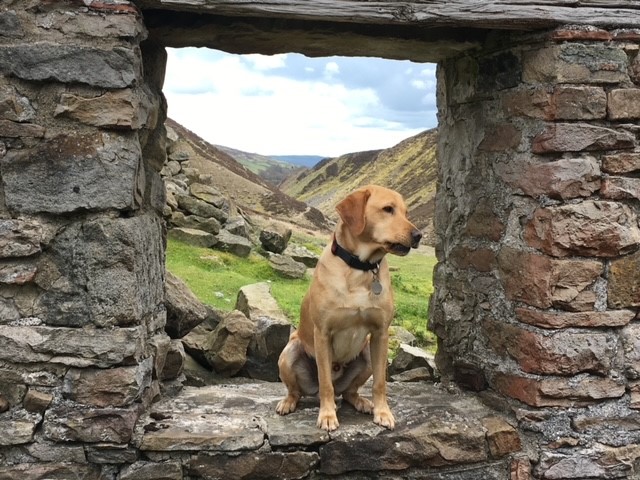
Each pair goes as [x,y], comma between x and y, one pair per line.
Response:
[351,210]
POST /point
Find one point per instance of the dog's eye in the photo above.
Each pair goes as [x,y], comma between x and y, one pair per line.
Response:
[388,209]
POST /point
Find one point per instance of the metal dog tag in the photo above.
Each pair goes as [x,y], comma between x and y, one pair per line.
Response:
[376,287]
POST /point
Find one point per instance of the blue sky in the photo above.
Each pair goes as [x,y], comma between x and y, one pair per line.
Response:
[289,104]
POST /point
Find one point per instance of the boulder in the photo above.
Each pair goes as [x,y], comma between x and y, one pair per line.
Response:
[409,358]
[174,363]
[197,375]
[228,242]
[420,374]
[193,236]
[184,310]
[227,347]
[302,254]
[272,330]
[195,342]
[199,207]
[208,194]
[210,225]
[287,266]
[238,226]
[275,237]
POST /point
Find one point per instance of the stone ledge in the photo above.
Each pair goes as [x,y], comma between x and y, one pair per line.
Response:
[450,435]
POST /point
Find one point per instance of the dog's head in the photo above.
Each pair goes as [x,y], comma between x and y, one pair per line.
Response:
[377,215]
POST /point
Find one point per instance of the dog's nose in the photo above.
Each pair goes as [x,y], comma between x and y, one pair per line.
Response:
[416,236]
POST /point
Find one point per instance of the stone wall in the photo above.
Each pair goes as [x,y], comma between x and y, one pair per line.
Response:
[538,284]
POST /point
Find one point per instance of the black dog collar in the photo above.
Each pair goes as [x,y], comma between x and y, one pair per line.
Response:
[351,260]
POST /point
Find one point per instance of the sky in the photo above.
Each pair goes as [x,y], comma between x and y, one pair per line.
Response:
[289,104]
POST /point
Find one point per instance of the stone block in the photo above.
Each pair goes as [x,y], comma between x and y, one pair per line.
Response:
[624,282]
[634,395]
[286,266]
[54,471]
[141,470]
[591,228]
[110,453]
[577,391]
[501,138]
[17,130]
[112,387]
[578,103]
[70,346]
[576,63]
[562,179]
[36,401]
[408,358]
[10,25]
[501,437]
[18,427]
[81,171]
[184,310]
[480,259]
[13,273]
[174,362]
[275,237]
[578,137]
[104,272]
[624,162]
[620,188]
[209,194]
[20,238]
[124,108]
[194,206]
[70,422]
[543,282]
[532,102]
[484,223]
[228,343]
[256,465]
[92,25]
[209,225]
[624,104]
[598,461]
[14,106]
[116,67]
[556,319]
[194,237]
[566,352]
[228,242]
[630,338]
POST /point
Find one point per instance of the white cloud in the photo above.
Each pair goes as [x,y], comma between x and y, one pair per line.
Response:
[285,104]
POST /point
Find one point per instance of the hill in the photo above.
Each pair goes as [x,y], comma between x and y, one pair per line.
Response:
[270,169]
[300,160]
[409,167]
[244,188]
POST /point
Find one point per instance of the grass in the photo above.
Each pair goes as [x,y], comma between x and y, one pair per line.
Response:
[216,277]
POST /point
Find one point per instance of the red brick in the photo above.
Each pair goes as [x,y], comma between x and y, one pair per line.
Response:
[625,162]
[624,104]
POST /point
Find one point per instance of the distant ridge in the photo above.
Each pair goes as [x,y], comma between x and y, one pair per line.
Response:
[300,160]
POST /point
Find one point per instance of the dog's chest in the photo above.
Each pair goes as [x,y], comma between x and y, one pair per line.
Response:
[348,343]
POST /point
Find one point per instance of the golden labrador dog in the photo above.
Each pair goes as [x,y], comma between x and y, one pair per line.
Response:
[345,316]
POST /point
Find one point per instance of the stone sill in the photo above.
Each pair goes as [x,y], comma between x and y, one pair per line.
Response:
[233,431]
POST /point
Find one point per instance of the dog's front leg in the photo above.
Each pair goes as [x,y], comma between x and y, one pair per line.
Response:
[379,347]
[327,418]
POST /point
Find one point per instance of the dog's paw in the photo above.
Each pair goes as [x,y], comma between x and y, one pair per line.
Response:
[287,405]
[384,418]
[328,421]
[361,404]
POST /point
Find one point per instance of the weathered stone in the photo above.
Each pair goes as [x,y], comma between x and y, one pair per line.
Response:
[210,225]
[109,453]
[113,387]
[580,32]
[171,168]
[563,179]
[301,254]
[259,465]
[621,162]
[275,237]
[272,330]
[160,345]
[4,404]
[91,171]
[51,452]
[103,271]
[554,319]
[10,25]
[20,238]
[228,242]
[51,471]
[556,391]
[18,427]
[141,470]
[578,137]
[565,352]
[200,208]
[624,104]
[543,282]
[196,342]
[16,130]
[116,67]
[484,223]
[520,469]
[209,194]
[620,188]
[420,374]
[17,273]
[624,282]
[631,347]
[174,362]
[500,138]
[238,226]
[192,236]
[634,395]
[118,109]
[15,107]
[408,358]
[227,349]
[70,422]
[70,346]
[575,63]
[197,375]
[184,310]
[287,266]
[501,437]
[590,228]
[36,401]
[578,103]
[598,461]
[478,258]
[121,25]
[529,102]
